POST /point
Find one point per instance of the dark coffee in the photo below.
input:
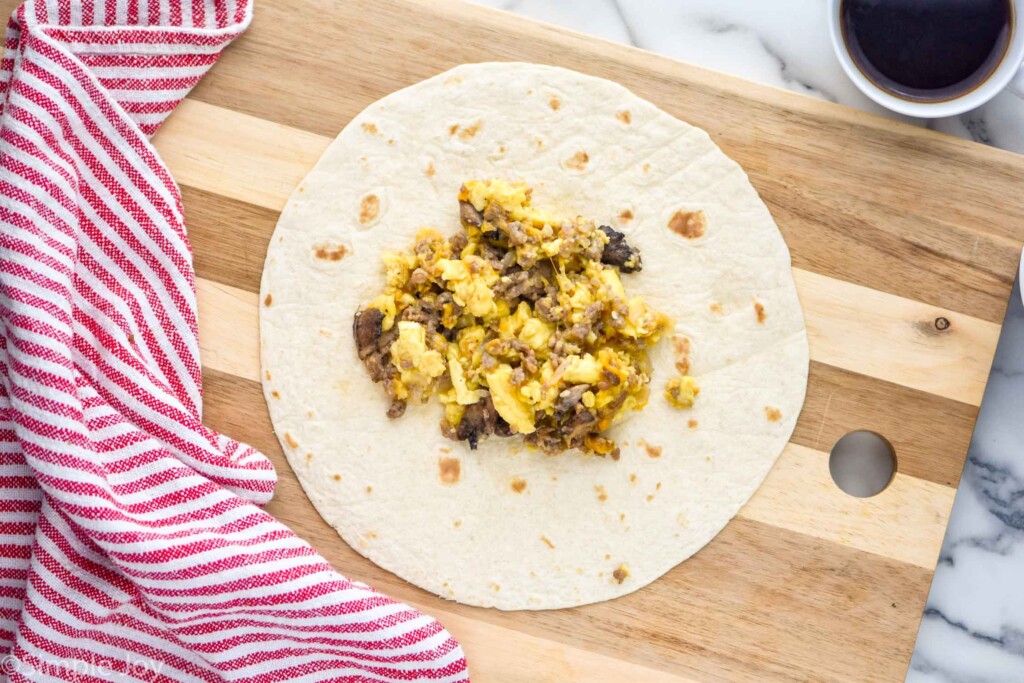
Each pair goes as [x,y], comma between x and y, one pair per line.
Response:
[927,50]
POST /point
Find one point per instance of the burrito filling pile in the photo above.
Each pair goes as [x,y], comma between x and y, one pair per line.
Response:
[519,324]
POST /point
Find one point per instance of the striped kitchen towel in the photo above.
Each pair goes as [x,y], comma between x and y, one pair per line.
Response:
[132,544]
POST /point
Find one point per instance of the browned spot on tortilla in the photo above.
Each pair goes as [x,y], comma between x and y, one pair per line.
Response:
[621,573]
[453,80]
[602,495]
[548,541]
[708,458]
[391,141]
[369,489]
[759,311]
[625,216]
[495,587]
[309,414]
[469,131]
[607,556]
[650,497]
[327,253]
[657,487]
[449,470]
[554,102]
[773,414]
[518,484]
[716,308]
[615,454]
[632,478]
[681,344]
[652,450]
[622,516]
[578,161]
[692,424]
[445,449]
[458,522]
[502,149]
[276,394]
[465,132]
[688,224]
[370,128]
[430,172]
[337,477]
[266,373]
[624,116]
[369,208]
[290,440]
[309,458]
[681,349]
[268,299]
[646,168]
[539,143]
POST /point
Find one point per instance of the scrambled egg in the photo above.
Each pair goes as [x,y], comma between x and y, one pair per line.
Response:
[681,391]
[417,364]
[519,325]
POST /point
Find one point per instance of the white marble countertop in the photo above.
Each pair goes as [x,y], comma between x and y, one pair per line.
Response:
[973,625]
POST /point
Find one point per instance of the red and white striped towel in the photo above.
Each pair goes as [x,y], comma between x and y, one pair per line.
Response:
[132,546]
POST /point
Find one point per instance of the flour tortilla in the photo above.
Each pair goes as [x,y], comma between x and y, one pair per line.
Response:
[398,166]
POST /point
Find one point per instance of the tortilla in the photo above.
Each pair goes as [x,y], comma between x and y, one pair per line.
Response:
[505,526]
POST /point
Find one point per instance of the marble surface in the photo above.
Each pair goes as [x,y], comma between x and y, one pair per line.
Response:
[783,43]
[973,626]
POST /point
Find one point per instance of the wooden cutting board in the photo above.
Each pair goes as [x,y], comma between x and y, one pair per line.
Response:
[891,227]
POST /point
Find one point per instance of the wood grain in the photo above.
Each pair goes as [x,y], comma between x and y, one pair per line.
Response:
[905,522]
[912,344]
[229,237]
[236,156]
[891,227]
[930,446]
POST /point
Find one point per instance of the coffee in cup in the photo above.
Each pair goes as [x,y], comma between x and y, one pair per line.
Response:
[927,50]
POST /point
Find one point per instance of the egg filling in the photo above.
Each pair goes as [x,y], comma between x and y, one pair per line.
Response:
[519,324]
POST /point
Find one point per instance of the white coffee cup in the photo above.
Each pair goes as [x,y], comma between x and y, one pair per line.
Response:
[1007,73]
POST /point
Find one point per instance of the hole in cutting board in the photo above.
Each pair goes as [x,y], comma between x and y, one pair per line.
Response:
[862,463]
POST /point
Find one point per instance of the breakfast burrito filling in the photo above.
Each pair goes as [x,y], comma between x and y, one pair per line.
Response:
[519,324]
